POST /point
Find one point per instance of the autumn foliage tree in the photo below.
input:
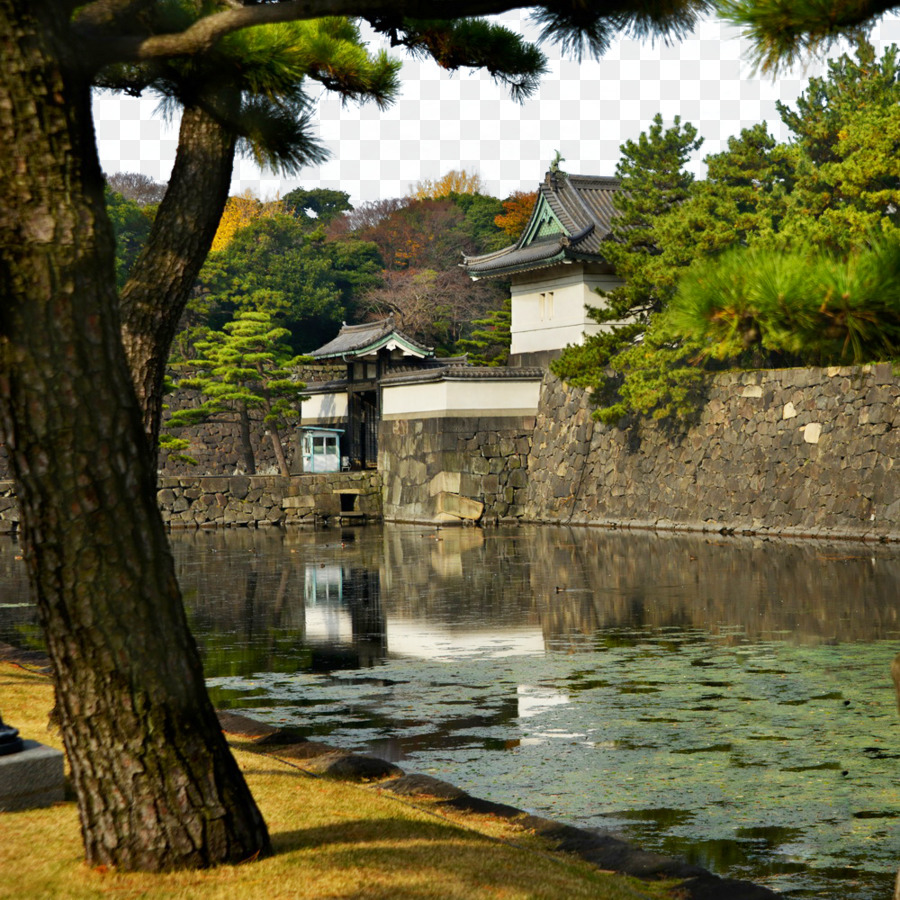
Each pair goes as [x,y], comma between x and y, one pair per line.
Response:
[457,181]
[517,209]
[239,212]
[422,283]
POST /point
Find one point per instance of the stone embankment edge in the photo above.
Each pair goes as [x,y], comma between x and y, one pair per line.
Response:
[597,847]
[725,529]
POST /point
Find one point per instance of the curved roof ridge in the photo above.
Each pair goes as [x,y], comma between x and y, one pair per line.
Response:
[583,206]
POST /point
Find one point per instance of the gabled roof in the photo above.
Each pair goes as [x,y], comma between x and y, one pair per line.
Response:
[571,218]
[355,341]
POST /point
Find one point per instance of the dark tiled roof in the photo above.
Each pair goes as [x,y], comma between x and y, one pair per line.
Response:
[466,373]
[356,340]
[583,206]
[326,387]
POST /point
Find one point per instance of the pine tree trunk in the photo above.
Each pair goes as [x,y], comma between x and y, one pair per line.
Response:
[246,442]
[279,451]
[161,280]
[156,784]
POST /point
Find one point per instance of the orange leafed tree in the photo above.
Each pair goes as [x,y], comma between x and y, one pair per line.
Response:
[459,181]
[239,212]
[518,208]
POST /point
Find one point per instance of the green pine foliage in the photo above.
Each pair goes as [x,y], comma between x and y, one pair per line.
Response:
[655,184]
[782,32]
[751,306]
[247,365]
[488,344]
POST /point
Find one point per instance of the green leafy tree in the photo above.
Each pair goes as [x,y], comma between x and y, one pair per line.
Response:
[318,207]
[94,541]
[846,128]
[131,225]
[275,264]
[246,366]
[744,199]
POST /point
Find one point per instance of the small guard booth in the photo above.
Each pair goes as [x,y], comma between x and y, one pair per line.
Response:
[321,449]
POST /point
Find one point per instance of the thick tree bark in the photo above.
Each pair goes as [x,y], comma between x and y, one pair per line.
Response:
[160,283]
[277,446]
[246,442]
[157,786]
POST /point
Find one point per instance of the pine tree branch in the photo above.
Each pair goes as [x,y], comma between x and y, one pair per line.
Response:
[203,34]
[784,31]
[561,18]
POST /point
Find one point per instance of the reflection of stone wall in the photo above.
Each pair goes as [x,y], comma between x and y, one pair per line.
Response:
[792,451]
[191,502]
[738,588]
[445,470]
[9,509]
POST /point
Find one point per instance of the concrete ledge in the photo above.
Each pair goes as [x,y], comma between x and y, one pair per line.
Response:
[31,778]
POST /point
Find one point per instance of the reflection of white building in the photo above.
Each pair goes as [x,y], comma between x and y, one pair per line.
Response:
[327,618]
[420,639]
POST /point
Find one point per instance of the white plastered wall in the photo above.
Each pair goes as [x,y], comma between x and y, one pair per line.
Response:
[457,399]
[324,408]
[549,306]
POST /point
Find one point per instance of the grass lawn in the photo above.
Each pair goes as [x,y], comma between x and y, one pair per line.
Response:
[332,840]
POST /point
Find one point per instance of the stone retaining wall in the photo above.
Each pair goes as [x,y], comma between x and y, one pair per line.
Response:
[250,500]
[452,470]
[207,502]
[793,451]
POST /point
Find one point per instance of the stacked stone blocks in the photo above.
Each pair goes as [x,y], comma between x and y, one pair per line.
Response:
[454,469]
[793,451]
[250,500]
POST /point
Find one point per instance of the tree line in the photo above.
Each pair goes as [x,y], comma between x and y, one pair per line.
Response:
[312,261]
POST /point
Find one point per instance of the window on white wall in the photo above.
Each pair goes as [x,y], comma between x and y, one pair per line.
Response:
[549,304]
[542,299]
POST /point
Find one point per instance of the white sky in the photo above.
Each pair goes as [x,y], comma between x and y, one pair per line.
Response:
[442,122]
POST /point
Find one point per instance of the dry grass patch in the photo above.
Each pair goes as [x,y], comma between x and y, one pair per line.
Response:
[333,841]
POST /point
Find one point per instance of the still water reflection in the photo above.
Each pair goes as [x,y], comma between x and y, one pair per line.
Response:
[727,700]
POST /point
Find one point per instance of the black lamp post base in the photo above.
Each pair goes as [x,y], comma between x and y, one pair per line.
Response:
[10,742]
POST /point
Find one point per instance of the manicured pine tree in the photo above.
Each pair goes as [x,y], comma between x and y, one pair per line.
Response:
[246,366]
[488,345]
[654,182]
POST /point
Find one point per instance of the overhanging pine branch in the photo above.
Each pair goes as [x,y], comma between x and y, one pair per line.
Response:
[204,34]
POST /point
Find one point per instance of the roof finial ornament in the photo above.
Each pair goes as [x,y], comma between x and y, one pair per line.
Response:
[555,170]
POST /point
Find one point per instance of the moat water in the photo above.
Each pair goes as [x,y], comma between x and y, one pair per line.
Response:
[723,699]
